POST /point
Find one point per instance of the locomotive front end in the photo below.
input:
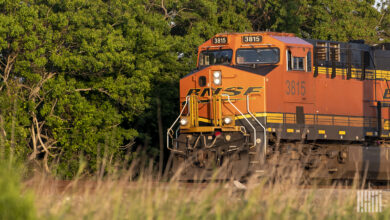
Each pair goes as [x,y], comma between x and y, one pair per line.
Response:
[221,125]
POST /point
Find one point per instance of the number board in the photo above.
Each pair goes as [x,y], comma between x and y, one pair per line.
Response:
[220,40]
[252,39]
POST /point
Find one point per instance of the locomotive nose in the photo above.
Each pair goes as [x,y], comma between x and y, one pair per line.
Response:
[222,80]
[222,117]
[218,96]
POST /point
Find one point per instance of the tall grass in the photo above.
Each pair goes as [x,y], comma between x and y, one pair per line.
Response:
[120,197]
[14,202]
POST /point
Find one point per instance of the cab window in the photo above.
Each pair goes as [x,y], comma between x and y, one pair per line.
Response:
[258,56]
[299,62]
[214,57]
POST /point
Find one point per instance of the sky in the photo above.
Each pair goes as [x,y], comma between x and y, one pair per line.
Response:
[376,3]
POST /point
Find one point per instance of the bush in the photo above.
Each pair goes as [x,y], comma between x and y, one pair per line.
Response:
[14,203]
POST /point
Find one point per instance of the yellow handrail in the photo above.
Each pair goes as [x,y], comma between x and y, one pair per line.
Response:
[217,110]
[194,112]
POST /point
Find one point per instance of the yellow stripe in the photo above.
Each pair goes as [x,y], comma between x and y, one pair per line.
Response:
[370,74]
[290,130]
[321,131]
[275,118]
[369,133]
[290,118]
[386,125]
[241,117]
[341,132]
[263,114]
[204,120]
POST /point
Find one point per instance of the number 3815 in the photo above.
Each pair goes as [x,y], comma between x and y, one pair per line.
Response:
[295,87]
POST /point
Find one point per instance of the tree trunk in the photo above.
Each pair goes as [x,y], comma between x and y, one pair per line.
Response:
[160,137]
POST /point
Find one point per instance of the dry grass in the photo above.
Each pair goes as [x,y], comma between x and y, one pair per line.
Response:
[118,197]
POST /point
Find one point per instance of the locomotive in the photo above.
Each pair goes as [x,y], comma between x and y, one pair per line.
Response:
[256,96]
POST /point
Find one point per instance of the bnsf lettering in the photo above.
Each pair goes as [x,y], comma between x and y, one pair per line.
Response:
[193,91]
[387,94]
[231,91]
[217,91]
[253,90]
[205,92]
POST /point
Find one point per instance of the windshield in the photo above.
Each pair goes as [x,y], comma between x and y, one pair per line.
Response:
[212,57]
[258,56]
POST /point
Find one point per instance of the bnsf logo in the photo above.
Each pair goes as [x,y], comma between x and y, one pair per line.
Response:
[387,94]
[232,91]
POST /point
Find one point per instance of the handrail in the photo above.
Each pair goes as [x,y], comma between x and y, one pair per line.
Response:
[176,134]
[253,127]
[334,120]
[265,133]
[170,129]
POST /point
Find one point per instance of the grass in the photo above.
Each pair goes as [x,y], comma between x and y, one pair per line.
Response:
[118,197]
[14,202]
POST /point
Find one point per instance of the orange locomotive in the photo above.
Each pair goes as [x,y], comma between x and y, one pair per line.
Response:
[257,95]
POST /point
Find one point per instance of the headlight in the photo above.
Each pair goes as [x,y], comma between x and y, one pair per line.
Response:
[227,120]
[217,74]
[217,81]
[217,77]
[183,122]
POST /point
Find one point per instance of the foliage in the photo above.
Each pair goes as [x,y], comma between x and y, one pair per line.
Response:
[83,78]
[384,21]
[343,20]
[13,203]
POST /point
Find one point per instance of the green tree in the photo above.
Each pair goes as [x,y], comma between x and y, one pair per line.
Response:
[76,75]
[383,27]
[342,20]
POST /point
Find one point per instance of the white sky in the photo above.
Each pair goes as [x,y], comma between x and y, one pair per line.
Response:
[377,1]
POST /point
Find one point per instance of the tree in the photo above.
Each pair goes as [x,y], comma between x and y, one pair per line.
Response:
[79,73]
[383,27]
[341,20]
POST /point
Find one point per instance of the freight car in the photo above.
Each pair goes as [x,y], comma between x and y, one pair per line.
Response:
[257,96]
